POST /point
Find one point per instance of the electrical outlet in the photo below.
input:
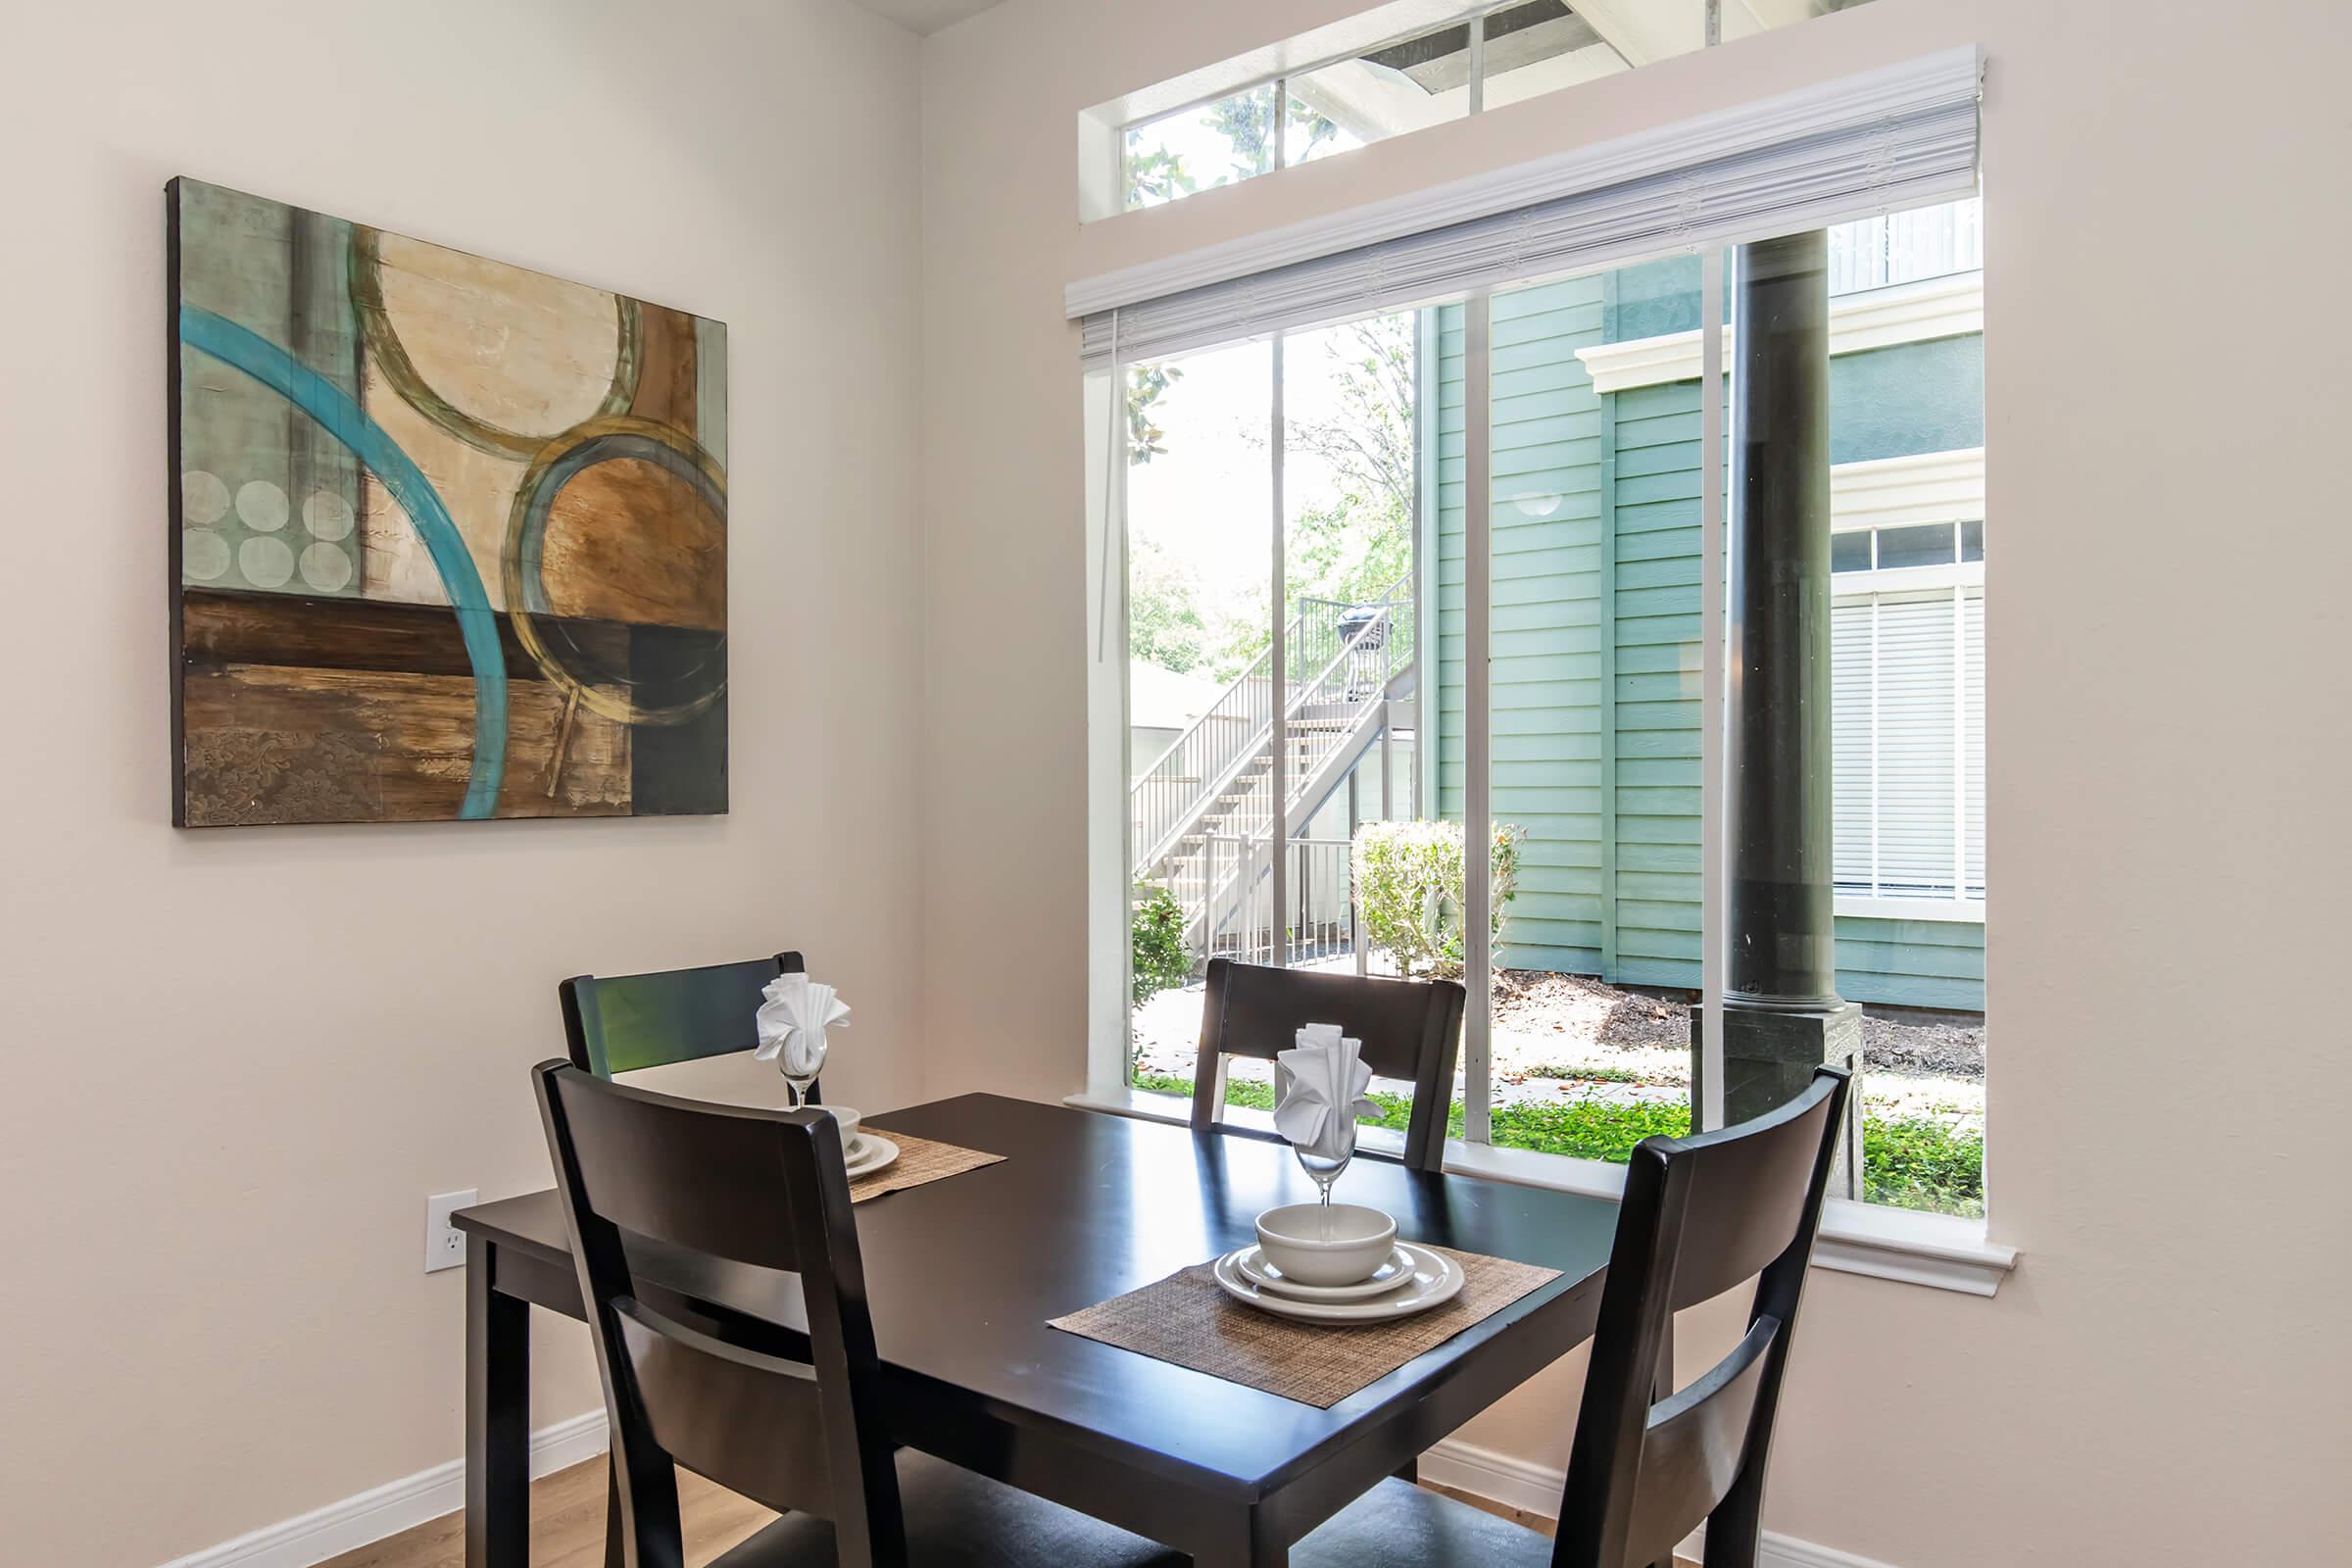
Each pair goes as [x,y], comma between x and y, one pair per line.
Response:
[444,1243]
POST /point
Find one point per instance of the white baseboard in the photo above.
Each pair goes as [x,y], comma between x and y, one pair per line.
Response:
[1497,1477]
[1536,1489]
[397,1505]
[388,1510]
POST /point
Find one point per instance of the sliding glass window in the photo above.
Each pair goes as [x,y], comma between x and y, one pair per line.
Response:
[1613,642]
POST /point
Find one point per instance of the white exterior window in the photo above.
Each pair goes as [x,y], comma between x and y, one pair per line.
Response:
[1908,714]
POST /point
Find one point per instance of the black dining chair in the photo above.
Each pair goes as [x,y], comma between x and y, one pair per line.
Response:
[804,1435]
[1411,1030]
[621,1023]
[1648,1465]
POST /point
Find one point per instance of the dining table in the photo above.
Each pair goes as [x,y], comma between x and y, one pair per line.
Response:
[965,1275]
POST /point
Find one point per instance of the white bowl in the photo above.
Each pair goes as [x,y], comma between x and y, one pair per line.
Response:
[849,1120]
[1318,1245]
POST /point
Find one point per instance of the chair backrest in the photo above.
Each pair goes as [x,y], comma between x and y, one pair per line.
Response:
[619,1023]
[751,1187]
[1700,1215]
[1411,1030]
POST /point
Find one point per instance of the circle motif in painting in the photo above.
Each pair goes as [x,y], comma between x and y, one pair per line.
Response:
[203,554]
[266,561]
[262,506]
[327,515]
[203,498]
[325,567]
[502,358]
[641,445]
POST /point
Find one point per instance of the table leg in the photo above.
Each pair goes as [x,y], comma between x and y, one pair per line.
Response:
[498,1436]
[1242,1538]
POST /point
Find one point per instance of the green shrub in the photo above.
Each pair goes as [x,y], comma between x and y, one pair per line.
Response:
[1921,1162]
[1409,883]
[1160,960]
[1907,1162]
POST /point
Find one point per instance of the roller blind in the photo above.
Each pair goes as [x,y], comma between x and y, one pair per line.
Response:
[1885,140]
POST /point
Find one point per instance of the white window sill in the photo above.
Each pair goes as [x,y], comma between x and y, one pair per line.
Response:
[1941,1251]
[1861,905]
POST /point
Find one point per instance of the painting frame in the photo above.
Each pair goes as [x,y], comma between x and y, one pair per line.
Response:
[448,536]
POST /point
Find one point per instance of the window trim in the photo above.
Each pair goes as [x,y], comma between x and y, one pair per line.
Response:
[1940,1252]
[1918,312]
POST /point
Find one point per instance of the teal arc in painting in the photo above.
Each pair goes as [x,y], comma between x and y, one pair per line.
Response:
[311,393]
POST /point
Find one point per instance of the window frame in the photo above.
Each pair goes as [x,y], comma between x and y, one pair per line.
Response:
[1472,1152]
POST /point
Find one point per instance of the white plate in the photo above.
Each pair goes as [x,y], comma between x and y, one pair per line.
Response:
[1435,1280]
[1252,1267]
[871,1152]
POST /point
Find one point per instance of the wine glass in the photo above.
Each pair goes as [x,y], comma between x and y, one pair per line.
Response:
[799,1063]
[1329,1154]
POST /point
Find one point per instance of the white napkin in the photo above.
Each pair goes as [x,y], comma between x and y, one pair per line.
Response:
[792,1021]
[1319,1089]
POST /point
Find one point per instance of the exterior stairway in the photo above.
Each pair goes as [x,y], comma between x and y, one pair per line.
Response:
[1201,817]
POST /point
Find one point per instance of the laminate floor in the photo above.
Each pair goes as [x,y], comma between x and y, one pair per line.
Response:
[567,1525]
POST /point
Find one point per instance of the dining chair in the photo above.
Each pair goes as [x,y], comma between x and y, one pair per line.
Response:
[1411,1030]
[621,1023]
[1648,1464]
[806,1435]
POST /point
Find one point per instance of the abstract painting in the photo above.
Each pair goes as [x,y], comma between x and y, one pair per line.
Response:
[449,537]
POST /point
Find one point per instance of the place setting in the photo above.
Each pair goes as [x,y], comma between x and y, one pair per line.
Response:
[794,1018]
[1327,1262]
[1328,1297]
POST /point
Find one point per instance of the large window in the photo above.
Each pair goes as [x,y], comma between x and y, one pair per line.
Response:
[1495,683]
[1609,637]
[1386,72]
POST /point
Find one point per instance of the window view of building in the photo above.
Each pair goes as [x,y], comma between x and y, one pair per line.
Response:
[1593,656]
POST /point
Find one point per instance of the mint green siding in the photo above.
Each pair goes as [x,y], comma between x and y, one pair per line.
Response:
[1595,632]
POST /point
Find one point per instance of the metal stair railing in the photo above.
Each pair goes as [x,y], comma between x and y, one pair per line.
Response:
[1329,713]
[1219,748]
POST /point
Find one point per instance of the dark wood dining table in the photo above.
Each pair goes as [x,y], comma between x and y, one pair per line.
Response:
[964,1273]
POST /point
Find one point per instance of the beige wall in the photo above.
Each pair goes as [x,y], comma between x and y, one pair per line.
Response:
[238,1061]
[2163,1380]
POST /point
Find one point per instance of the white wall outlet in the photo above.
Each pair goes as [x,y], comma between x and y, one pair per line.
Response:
[444,1243]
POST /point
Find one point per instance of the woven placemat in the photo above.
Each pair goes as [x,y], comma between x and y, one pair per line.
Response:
[921,1160]
[1187,1319]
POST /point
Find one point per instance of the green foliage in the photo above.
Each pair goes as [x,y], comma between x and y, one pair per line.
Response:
[1159,175]
[1410,881]
[1159,957]
[1921,1162]
[1165,624]
[1907,1162]
[1145,385]
[1352,548]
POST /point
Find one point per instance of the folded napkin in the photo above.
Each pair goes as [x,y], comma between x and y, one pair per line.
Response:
[1319,1091]
[792,1021]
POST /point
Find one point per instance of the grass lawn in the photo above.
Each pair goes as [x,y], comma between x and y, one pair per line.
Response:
[1908,1161]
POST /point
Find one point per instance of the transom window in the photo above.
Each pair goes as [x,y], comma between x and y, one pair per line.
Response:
[1384,72]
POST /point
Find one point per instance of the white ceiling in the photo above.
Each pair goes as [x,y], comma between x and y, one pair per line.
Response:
[926,16]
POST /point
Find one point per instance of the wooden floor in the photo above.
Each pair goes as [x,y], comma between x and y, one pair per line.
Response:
[567,1525]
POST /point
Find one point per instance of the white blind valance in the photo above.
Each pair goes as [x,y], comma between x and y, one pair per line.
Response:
[1888,139]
